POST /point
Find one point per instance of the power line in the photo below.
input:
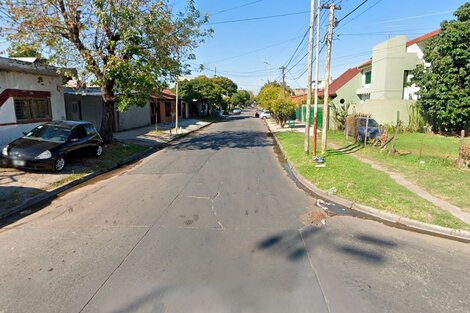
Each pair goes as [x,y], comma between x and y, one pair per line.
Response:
[298,46]
[258,18]
[367,9]
[234,8]
[354,10]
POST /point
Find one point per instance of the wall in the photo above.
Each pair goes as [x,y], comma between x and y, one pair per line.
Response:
[385,111]
[348,91]
[389,62]
[25,81]
[134,117]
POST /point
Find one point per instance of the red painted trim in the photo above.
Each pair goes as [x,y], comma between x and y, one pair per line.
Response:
[8,124]
[424,37]
[8,93]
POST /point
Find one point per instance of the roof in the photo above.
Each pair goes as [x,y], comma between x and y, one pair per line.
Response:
[15,65]
[67,124]
[366,63]
[342,80]
[423,37]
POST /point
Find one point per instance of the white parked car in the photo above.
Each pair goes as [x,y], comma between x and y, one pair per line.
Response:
[265,114]
[237,111]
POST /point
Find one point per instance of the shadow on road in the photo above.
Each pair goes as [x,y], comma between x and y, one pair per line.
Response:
[224,139]
[297,244]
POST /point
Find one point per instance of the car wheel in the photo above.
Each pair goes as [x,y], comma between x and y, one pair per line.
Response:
[264,117]
[59,163]
[99,150]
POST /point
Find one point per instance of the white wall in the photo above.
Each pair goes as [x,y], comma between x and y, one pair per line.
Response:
[25,81]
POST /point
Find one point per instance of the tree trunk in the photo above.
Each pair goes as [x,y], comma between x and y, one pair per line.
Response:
[107,120]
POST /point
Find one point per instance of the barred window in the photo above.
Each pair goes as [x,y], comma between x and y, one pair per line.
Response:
[32,109]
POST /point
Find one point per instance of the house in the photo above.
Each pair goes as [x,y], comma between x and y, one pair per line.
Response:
[30,93]
[381,85]
[87,104]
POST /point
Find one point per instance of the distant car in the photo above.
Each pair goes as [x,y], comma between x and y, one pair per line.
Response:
[237,111]
[265,115]
[47,146]
[373,129]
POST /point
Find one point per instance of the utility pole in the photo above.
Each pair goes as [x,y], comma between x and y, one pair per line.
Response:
[309,78]
[268,64]
[215,71]
[317,65]
[177,103]
[332,8]
[283,68]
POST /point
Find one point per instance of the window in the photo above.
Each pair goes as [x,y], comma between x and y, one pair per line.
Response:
[368,77]
[32,109]
[90,130]
[168,108]
[79,133]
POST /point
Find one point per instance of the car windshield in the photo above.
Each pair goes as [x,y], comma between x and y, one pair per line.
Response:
[49,133]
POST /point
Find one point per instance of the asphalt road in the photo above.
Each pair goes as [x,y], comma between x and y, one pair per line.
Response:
[214,224]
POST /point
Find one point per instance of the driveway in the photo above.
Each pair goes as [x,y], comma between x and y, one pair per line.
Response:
[214,224]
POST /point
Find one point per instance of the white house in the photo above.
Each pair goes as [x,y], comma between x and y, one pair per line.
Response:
[30,93]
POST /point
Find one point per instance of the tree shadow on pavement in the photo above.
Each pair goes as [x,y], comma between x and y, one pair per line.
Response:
[224,139]
[297,244]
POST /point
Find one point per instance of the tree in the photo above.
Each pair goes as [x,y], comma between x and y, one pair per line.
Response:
[272,97]
[211,90]
[227,85]
[18,49]
[444,95]
[131,48]
[241,97]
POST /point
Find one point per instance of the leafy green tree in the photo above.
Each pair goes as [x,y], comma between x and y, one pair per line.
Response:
[211,90]
[272,96]
[131,48]
[226,84]
[241,97]
[444,95]
[18,49]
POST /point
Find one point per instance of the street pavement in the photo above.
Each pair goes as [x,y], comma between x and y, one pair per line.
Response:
[214,224]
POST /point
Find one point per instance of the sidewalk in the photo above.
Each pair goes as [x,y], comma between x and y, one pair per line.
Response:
[149,136]
[21,189]
[398,178]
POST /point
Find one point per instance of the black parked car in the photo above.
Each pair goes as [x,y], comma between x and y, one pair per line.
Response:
[48,145]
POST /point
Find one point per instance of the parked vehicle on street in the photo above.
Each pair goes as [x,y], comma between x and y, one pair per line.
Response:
[265,114]
[237,111]
[48,146]
[373,129]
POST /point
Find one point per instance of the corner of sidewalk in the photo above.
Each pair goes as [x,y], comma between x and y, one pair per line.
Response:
[369,212]
[51,194]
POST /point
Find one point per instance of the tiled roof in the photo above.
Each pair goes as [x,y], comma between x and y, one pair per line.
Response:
[424,37]
[368,62]
[342,80]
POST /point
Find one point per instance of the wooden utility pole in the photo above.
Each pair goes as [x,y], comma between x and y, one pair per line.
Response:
[332,8]
[460,161]
[317,65]
[177,103]
[283,68]
[394,139]
[309,79]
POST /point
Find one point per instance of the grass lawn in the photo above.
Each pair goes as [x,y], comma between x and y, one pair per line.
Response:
[361,183]
[430,165]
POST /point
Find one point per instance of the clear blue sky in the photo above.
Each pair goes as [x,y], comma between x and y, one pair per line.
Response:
[239,50]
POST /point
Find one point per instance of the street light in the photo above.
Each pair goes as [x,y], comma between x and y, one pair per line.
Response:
[267,63]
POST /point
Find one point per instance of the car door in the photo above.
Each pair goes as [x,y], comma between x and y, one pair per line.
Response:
[78,139]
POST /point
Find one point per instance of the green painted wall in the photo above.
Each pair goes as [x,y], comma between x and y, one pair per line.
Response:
[389,62]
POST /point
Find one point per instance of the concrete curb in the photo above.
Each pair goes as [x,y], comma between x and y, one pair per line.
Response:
[50,195]
[373,213]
